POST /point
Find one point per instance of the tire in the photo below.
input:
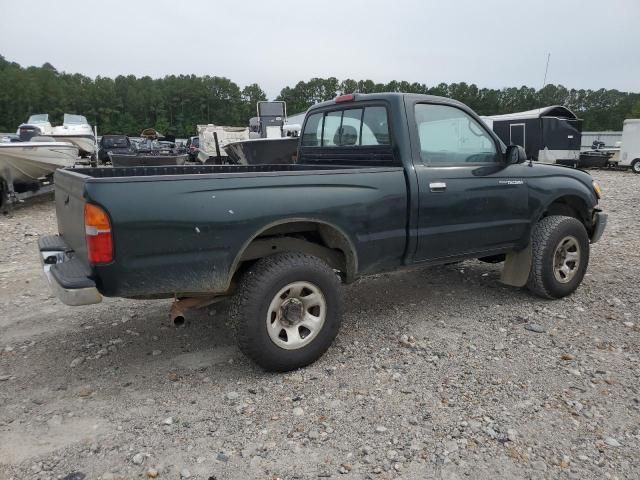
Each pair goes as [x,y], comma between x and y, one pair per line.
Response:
[264,331]
[635,166]
[564,236]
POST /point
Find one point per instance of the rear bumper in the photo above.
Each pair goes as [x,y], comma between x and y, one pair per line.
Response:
[599,224]
[68,277]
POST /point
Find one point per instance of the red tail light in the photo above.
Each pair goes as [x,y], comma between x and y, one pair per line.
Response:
[98,234]
[345,98]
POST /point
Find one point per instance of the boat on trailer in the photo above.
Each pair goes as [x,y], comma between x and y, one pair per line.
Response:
[256,151]
[272,140]
[26,166]
[74,129]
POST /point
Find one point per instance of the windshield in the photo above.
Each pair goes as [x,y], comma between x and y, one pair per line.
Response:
[38,118]
[115,142]
[271,109]
[150,144]
[71,119]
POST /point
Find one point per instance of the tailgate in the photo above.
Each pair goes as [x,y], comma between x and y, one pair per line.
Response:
[70,210]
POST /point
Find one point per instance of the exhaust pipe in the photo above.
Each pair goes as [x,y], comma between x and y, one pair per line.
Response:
[180,306]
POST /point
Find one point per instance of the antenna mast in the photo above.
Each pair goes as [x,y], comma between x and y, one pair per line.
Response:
[544,82]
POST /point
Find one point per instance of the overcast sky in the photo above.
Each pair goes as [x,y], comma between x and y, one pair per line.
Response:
[492,43]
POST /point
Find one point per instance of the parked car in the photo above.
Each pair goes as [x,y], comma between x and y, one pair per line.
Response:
[193,147]
[382,182]
[119,144]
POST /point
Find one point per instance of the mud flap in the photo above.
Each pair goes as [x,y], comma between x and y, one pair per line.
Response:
[516,268]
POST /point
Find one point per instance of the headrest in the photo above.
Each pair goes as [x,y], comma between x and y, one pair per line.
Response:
[345,136]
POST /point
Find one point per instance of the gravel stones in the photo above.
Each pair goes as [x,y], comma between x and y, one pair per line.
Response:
[85,391]
[534,327]
[76,361]
[612,442]
[232,396]
[433,372]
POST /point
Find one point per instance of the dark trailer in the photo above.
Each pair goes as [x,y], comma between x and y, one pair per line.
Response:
[548,134]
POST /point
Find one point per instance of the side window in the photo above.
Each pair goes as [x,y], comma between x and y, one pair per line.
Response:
[312,131]
[448,135]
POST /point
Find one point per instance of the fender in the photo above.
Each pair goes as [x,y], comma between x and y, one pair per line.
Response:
[544,191]
[351,254]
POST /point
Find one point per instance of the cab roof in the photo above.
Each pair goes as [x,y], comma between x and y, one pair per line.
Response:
[391,97]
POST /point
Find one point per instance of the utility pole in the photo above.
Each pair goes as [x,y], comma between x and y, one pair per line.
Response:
[544,82]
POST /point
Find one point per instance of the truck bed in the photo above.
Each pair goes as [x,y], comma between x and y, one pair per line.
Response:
[181,228]
[173,170]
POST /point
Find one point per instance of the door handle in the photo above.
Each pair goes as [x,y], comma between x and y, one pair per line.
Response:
[438,186]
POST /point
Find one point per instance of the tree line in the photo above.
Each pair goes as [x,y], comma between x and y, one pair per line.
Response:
[175,104]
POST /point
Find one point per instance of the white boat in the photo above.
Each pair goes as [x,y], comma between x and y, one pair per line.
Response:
[74,129]
[25,164]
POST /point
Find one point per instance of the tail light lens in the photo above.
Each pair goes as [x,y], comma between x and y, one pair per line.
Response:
[98,234]
[345,98]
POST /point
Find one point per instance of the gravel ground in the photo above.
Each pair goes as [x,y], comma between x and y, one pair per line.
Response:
[437,373]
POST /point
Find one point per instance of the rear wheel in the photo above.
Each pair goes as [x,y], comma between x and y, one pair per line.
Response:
[635,165]
[559,256]
[287,311]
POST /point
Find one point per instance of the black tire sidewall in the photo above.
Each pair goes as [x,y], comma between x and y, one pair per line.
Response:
[635,166]
[552,285]
[254,315]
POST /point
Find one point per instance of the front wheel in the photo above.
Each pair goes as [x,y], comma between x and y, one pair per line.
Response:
[635,166]
[559,256]
[287,311]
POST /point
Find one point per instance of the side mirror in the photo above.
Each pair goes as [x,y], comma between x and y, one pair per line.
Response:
[515,154]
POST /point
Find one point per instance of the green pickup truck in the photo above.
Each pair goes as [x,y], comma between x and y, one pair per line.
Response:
[381,182]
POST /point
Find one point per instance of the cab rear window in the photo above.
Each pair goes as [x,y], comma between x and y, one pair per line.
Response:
[352,127]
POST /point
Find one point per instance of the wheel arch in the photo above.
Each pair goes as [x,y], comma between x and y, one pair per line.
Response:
[569,205]
[305,235]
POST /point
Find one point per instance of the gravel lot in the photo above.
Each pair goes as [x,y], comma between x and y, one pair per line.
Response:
[435,374]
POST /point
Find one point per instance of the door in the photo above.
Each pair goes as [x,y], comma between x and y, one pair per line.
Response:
[517,134]
[470,201]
